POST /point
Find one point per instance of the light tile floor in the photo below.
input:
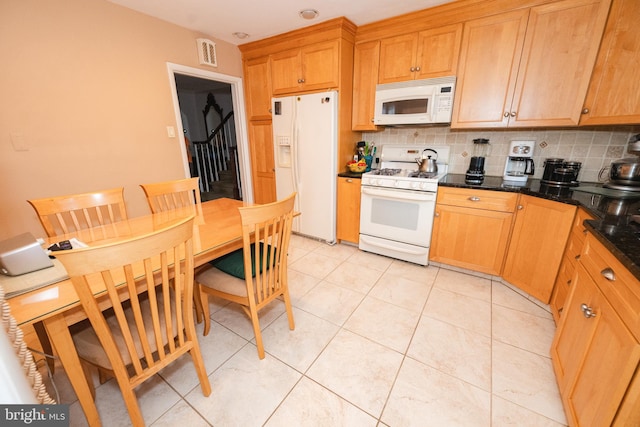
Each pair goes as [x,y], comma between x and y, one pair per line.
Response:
[378,342]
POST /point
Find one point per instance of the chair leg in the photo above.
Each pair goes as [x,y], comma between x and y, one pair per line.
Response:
[287,305]
[256,331]
[197,304]
[131,401]
[204,304]
[87,373]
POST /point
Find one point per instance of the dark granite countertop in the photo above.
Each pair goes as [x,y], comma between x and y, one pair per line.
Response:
[612,225]
[349,174]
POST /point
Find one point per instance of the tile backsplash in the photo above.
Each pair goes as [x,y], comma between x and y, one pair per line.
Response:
[595,148]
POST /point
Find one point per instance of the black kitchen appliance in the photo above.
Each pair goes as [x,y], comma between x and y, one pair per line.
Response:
[475,173]
[558,173]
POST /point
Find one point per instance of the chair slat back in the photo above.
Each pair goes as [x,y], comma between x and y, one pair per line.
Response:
[66,214]
[160,326]
[269,224]
[169,195]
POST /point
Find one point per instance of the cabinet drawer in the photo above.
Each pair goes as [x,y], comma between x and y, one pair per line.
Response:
[616,282]
[578,230]
[478,199]
[574,247]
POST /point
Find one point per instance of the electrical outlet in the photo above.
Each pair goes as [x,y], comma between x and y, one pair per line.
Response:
[171,132]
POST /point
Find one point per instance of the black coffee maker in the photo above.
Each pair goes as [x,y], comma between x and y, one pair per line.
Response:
[475,173]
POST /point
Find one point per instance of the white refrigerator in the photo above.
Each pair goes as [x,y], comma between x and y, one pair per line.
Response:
[305,138]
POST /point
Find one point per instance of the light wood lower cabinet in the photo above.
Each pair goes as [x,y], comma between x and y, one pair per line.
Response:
[568,265]
[348,209]
[471,228]
[595,351]
[540,233]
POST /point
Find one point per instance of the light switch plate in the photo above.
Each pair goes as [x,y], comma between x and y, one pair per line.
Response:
[171,132]
[18,142]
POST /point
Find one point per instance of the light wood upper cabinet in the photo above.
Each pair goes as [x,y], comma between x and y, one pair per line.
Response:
[427,54]
[528,67]
[366,57]
[258,88]
[614,92]
[312,67]
[540,232]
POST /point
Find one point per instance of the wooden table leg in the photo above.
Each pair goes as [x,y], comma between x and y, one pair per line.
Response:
[60,336]
[45,344]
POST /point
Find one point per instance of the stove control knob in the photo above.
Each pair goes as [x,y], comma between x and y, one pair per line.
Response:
[397,183]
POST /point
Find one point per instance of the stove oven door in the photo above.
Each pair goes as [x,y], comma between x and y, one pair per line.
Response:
[401,216]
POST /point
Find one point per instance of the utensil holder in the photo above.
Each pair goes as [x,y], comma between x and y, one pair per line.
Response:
[368,160]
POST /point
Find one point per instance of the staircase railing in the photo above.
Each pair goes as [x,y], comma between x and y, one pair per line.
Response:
[212,156]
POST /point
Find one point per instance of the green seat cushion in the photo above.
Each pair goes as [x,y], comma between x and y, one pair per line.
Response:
[233,263]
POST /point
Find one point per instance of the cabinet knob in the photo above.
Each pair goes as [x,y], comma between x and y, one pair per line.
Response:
[577,257]
[300,80]
[587,311]
[585,111]
[513,114]
[417,68]
[608,274]
[349,180]
[412,69]
[474,199]
[437,214]
[520,207]
[506,114]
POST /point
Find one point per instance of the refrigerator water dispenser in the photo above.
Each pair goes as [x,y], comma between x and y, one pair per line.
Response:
[284,151]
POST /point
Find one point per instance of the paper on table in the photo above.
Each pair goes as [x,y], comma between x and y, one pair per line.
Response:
[16,285]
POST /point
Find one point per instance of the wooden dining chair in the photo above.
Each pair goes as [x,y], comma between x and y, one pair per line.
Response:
[169,195]
[151,328]
[255,275]
[65,214]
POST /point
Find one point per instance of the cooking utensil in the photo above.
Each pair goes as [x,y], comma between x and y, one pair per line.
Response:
[622,172]
[428,165]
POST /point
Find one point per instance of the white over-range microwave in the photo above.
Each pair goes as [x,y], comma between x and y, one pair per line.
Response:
[415,102]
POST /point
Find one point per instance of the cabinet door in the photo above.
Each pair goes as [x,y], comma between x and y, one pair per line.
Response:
[320,66]
[559,52]
[257,88]
[286,72]
[614,92]
[365,77]
[262,163]
[475,239]
[595,354]
[397,58]
[348,209]
[537,244]
[489,59]
[438,52]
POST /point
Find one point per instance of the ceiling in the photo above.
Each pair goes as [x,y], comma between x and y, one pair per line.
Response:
[261,19]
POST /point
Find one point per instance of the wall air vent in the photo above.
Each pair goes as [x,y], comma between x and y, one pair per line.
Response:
[207,52]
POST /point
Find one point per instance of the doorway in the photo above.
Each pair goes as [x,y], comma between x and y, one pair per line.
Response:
[212,131]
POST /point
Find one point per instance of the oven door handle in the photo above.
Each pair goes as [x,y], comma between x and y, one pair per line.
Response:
[399,194]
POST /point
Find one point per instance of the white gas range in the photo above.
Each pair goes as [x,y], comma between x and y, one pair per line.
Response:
[398,203]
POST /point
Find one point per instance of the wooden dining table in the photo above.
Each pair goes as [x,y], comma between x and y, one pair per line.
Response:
[217,231]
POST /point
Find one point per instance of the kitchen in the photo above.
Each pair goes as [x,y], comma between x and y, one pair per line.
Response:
[510,87]
[568,143]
